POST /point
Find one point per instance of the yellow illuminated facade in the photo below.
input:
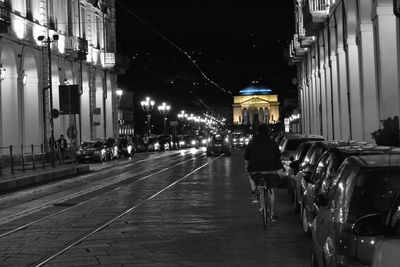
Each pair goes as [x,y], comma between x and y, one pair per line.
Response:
[250,109]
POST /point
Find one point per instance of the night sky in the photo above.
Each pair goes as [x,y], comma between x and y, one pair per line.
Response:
[233,42]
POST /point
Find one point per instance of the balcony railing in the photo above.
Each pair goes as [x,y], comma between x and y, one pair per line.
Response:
[319,9]
[307,27]
[5,12]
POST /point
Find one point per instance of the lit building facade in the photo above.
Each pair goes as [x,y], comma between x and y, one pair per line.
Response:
[347,54]
[81,35]
[255,106]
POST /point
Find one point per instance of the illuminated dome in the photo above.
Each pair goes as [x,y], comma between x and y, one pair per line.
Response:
[255,90]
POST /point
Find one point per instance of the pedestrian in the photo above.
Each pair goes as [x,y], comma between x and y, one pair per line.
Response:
[262,156]
[62,147]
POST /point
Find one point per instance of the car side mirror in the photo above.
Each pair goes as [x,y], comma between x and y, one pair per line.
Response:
[369,225]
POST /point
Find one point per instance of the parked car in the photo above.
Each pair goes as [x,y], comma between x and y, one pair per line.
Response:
[165,142]
[111,147]
[307,167]
[292,167]
[288,148]
[352,214]
[91,151]
[126,147]
[219,144]
[386,251]
[320,181]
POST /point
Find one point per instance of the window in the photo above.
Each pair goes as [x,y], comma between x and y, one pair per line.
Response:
[82,22]
[373,192]
[69,19]
[28,5]
[52,21]
[98,31]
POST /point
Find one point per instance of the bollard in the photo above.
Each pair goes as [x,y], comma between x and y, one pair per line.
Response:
[42,156]
[22,157]
[11,159]
[33,158]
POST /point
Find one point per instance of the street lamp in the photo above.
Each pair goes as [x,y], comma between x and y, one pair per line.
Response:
[182,116]
[164,110]
[147,106]
[48,42]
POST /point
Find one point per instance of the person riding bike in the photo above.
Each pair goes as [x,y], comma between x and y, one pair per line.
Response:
[262,155]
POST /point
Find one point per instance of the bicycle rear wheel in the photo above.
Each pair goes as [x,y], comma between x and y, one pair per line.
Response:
[263,208]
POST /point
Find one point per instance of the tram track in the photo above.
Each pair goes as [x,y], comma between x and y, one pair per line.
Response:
[92,232]
[47,204]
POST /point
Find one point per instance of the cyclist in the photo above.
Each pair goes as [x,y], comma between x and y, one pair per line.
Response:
[262,155]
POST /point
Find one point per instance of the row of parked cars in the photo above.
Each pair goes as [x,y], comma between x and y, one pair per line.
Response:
[348,198]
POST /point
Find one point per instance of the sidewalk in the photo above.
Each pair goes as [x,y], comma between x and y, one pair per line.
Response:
[9,181]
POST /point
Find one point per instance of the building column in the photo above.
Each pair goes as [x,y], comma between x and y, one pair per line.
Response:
[386,52]
[370,110]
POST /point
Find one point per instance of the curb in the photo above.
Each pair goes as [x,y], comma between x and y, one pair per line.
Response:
[33,178]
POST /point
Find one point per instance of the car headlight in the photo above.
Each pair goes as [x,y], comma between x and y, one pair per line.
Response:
[79,152]
[241,139]
[234,139]
[204,141]
[129,149]
[181,143]
[193,142]
[156,145]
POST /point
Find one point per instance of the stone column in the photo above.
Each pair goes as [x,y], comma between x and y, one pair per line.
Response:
[387,54]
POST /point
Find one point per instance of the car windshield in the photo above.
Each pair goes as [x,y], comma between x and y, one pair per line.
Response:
[218,139]
[293,144]
[189,138]
[373,192]
[92,145]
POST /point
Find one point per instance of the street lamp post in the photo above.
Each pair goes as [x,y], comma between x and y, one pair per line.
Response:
[164,110]
[147,106]
[182,116]
[48,42]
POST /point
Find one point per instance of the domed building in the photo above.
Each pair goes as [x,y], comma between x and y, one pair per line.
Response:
[255,104]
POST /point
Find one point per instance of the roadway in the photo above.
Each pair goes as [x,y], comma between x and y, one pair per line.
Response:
[174,208]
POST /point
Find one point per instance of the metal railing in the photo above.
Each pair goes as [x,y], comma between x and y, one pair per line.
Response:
[319,9]
[22,158]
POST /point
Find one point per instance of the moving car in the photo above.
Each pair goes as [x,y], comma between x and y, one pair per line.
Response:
[219,144]
[189,141]
[352,214]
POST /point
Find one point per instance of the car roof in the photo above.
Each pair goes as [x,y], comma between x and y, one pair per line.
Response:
[376,161]
[347,151]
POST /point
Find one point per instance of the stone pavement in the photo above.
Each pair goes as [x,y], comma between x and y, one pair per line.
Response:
[205,220]
[9,181]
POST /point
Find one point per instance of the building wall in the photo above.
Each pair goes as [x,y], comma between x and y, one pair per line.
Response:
[24,95]
[356,83]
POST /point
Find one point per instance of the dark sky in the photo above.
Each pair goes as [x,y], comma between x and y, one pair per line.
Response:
[234,42]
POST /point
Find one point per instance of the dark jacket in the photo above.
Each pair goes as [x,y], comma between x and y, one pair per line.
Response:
[263,155]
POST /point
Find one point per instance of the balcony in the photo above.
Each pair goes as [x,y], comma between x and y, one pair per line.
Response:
[319,10]
[76,47]
[307,27]
[296,51]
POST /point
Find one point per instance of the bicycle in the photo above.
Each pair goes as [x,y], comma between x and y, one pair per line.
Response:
[260,181]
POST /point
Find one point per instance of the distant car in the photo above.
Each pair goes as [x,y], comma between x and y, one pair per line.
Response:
[165,142]
[352,214]
[125,147]
[189,141]
[91,151]
[219,144]
[153,144]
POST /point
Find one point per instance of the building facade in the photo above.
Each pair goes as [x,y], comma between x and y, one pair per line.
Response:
[250,109]
[347,54]
[48,43]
